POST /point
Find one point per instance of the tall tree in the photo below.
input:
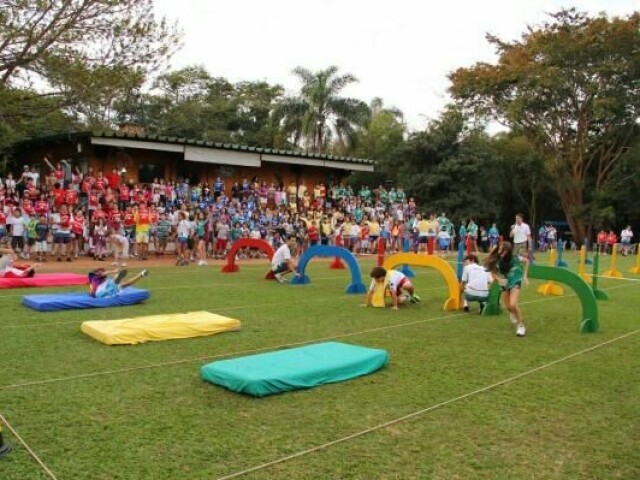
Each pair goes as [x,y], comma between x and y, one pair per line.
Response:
[451,168]
[383,132]
[25,113]
[571,86]
[319,115]
[526,184]
[378,140]
[191,103]
[82,54]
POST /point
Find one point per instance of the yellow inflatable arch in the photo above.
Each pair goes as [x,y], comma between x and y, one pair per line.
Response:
[430,261]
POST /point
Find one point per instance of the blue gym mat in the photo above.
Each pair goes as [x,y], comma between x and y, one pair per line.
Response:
[296,368]
[78,300]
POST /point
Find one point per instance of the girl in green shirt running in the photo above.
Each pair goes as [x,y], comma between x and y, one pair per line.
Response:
[510,272]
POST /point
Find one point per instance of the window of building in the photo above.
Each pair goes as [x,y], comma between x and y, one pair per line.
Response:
[149,171]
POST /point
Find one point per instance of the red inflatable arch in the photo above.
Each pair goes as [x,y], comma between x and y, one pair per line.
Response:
[231,265]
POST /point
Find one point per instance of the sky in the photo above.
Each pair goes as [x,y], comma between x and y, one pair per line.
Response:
[400,50]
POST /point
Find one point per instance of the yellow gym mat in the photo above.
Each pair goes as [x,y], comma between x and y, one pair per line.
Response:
[129,331]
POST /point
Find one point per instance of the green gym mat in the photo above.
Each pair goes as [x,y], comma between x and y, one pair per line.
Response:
[293,369]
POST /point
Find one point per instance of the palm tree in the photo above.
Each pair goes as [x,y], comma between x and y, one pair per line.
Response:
[319,116]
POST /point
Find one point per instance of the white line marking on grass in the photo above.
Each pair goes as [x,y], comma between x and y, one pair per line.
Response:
[425,410]
[261,349]
[619,278]
[221,355]
[28,448]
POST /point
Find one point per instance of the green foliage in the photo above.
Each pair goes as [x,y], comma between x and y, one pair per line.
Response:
[26,113]
[85,55]
[571,87]
[378,140]
[526,184]
[452,169]
[618,202]
[319,117]
[40,39]
[191,103]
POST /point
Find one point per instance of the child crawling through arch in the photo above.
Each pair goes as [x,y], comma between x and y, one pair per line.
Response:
[396,283]
[8,268]
[109,283]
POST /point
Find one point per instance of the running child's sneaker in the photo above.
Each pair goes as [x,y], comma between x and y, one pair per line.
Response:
[279,277]
[513,319]
[521,331]
[144,273]
[120,276]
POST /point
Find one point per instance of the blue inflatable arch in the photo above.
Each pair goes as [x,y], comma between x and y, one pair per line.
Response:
[356,286]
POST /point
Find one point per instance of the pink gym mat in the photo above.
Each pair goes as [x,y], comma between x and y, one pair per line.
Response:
[45,280]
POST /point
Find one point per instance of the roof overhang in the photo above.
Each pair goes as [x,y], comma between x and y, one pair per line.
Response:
[247,157]
[221,157]
[129,143]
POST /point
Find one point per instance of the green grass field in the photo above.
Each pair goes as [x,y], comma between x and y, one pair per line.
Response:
[91,411]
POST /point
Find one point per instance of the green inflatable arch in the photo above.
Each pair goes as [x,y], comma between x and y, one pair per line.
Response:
[574,281]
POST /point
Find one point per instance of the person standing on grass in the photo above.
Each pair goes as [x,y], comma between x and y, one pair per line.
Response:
[120,245]
[184,232]
[552,237]
[472,233]
[444,239]
[282,263]
[142,218]
[163,230]
[223,230]
[475,283]
[612,239]
[521,235]
[130,228]
[508,269]
[17,223]
[625,240]
[42,230]
[601,240]
[77,233]
[200,236]
[31,235]
[422,227]
[313,233]
[462,232]
[374,232]
[63,235]
[484,240]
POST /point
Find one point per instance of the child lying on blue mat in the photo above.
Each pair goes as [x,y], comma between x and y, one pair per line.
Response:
[109,283]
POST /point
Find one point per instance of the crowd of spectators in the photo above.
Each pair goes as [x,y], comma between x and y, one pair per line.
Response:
[67,212]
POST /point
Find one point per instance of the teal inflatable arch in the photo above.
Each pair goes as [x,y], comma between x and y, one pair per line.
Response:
[356,286]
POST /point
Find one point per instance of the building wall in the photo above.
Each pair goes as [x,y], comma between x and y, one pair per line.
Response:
[171,166]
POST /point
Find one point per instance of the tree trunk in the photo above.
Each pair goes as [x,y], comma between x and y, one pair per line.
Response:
[572,205]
